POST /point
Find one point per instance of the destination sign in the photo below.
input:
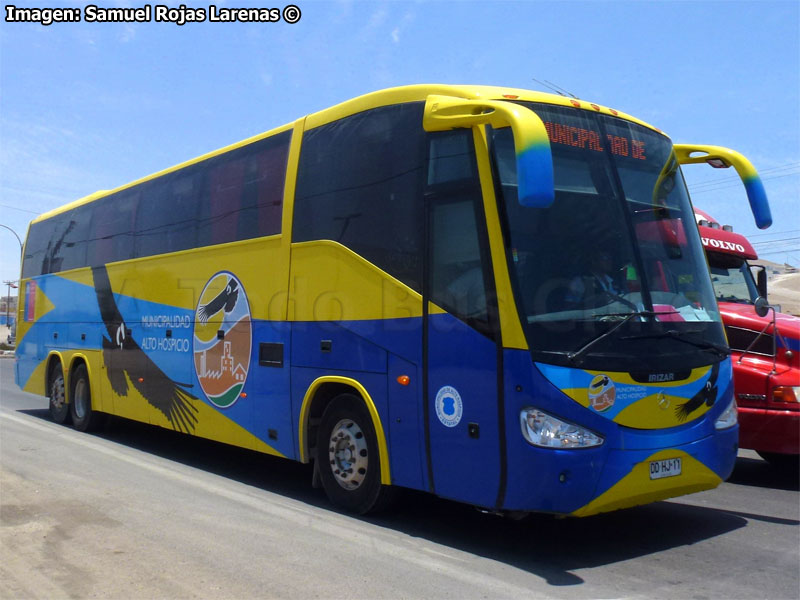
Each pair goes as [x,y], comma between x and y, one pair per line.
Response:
[588,139]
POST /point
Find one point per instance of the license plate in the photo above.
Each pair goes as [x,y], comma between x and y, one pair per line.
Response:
[669,467]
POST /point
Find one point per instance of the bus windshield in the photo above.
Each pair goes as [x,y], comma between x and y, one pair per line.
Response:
[618,244]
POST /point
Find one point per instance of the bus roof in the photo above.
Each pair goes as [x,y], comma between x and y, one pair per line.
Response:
[412,93]
[396,95]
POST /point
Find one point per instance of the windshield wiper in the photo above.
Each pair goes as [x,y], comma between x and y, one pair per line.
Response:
[577,354]
[674,334]
[734,300]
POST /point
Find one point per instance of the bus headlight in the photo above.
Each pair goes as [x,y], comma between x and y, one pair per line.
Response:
[542,429]
[728,417]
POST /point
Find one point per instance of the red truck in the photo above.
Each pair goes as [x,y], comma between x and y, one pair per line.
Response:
[765,345]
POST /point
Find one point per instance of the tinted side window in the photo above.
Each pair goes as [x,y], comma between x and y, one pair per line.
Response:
[53,256]
[262,190]
[166,220]
[459,265]
[111,231]
[360,184]
[36,247]
[67,247]
[236,196]
[243,196]
[221,215]
[450,159]
[76,238]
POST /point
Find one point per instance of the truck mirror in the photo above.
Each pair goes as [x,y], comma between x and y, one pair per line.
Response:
[761,281]
[722,158]
[532,146]
[762,306]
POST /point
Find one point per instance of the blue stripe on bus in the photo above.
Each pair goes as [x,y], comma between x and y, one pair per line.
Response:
[359,350]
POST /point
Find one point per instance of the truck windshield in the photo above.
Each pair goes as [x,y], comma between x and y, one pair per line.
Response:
[732,279]
[620,238]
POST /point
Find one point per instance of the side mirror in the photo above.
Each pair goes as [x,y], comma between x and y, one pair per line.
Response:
[762,306]
[532,146]
[761,281]
[722,158]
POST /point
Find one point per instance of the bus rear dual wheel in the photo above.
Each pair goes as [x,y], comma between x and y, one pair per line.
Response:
[79,410]
[348,459]
[84,418]
[59,409]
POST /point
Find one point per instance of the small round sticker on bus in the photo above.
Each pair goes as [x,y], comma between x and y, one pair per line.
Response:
[602,393]
[449,407]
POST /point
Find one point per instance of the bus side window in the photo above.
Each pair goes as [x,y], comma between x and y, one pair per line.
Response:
[166,220]
[67,246]
[457,281]
[76,231]
[53,253]
[262,192]
[225,187]
[359,183]
[110,237]
[457,263]
[243,196]
[36,259]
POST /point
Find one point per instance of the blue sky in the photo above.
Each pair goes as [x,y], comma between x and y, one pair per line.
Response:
[88,106]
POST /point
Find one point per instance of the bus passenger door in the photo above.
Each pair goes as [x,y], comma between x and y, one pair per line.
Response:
[460,351]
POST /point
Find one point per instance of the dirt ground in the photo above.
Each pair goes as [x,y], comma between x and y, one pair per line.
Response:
[785,290]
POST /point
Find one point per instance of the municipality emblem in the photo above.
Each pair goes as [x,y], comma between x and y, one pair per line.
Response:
[222,339]
[602,393]
[449,407]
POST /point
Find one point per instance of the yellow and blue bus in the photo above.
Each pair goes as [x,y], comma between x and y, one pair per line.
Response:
[494,295]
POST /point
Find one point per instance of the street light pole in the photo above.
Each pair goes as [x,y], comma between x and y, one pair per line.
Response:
[10,283]
[8,302]
[15,235]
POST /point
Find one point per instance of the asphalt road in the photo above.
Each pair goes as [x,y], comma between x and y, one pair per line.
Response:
[140,512]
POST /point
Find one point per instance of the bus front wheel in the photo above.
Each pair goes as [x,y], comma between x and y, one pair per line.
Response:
[59,409]
[83,417]
[348,459]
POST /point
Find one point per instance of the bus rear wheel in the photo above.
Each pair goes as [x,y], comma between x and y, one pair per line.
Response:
[348,459]
[59,409]
[84,418]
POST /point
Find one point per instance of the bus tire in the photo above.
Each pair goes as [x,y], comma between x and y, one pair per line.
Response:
[348,459]
[59,409]
[83,417]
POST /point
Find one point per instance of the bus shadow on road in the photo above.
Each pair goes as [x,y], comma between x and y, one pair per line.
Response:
[555,548]
[759,473]
[543,545]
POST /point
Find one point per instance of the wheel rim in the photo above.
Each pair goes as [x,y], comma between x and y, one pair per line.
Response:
[80,398]
[57,393]
[347,452]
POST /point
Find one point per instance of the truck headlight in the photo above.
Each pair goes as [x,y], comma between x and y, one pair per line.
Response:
[547,431]
[728,417]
